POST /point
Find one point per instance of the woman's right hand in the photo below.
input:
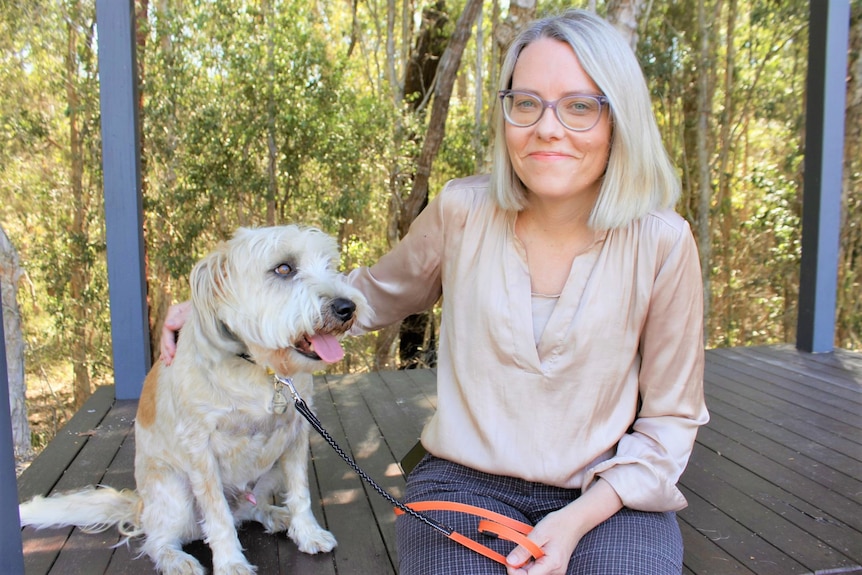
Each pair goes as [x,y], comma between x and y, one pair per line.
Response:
[175,319]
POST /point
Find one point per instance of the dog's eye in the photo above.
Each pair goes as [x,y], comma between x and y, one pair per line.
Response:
[283,270]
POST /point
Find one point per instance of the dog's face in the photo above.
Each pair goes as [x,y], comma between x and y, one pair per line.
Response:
[275,293]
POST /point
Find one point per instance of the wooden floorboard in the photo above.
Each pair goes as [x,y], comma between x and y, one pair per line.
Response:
[774,484]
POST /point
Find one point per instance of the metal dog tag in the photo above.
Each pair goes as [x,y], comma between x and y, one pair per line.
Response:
[279,401]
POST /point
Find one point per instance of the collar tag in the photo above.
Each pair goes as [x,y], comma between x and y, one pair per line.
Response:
[279,401]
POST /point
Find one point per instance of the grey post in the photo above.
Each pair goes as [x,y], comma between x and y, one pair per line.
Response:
[824,155]
[121,158]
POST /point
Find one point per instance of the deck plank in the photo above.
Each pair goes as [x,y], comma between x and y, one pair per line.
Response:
[715,543]
[807,391]
[350,514]
[796,528]
[47,469]
[774,484]
[95,448]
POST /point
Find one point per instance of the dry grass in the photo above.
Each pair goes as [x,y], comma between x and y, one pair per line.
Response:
[50,405]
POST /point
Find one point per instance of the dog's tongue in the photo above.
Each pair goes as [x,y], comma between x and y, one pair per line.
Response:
[327,347]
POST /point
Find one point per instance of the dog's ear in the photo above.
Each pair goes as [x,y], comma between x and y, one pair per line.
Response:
[207,283]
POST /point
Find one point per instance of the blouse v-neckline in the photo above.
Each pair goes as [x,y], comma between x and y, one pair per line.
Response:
[557,333]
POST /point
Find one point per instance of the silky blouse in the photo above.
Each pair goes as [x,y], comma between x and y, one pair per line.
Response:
[614,387]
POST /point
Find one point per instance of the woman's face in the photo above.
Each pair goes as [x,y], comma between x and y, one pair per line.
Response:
[554,162]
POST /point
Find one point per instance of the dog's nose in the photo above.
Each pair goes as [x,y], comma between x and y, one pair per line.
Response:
[343,308]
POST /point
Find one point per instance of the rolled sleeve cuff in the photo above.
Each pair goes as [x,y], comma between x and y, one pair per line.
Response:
[639,484]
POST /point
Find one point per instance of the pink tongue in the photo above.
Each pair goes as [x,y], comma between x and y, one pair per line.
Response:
[327,347]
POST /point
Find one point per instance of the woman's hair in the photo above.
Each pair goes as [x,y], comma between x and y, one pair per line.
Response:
[640,176]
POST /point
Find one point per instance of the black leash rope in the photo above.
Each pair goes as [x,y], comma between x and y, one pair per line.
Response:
[306,412]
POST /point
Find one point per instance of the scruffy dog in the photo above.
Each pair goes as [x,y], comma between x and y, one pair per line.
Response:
[216,443]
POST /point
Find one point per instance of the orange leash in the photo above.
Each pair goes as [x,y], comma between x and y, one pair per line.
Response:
[492,524]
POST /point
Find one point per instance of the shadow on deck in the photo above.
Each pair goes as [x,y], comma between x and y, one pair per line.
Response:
[773,484]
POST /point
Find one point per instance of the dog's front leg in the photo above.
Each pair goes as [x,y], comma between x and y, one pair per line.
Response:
[216,518]
[304,529]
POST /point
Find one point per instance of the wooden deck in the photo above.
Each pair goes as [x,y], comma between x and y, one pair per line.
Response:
[774,485]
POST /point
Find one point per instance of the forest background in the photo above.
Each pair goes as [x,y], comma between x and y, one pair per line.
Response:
[346,115]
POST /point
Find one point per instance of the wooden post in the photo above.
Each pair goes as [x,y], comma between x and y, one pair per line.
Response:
[824,161]
[121,159]
[11,553]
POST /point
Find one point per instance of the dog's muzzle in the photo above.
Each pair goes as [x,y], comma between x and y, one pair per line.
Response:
[324,345]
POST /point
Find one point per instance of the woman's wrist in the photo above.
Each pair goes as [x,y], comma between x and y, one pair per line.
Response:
[595,505]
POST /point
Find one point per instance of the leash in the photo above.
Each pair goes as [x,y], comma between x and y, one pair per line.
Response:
[491,524]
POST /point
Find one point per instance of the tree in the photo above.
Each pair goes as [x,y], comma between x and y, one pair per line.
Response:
[624,14]
[849,313]
[79,28]
[323,112]
[10,274]
[413,330]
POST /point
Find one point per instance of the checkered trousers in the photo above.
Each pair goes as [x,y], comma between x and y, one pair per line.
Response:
[629,543]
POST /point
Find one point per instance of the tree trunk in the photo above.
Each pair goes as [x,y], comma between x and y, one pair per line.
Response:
[703,172]
[80,275]
[424,72]
[623,14]
[271,110]
[521,12]
[10,273]
[849,276]
[445,80]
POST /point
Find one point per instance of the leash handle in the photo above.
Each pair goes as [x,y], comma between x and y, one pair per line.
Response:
[491,524]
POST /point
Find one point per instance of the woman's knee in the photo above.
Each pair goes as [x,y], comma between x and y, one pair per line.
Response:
[631,542]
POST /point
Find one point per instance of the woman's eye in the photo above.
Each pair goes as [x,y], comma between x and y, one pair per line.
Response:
[283,270]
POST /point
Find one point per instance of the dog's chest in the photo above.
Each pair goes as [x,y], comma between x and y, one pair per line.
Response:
[253,444]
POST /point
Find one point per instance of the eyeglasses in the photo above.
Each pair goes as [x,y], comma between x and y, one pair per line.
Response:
[578,112]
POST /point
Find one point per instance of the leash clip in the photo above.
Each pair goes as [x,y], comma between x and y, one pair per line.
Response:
[279,401]
[289,383]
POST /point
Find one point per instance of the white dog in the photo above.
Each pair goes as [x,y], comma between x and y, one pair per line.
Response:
[216,443]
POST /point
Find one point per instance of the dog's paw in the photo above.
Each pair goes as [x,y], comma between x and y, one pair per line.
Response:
[239,568]
[274,519]
[311,538]
[173,562]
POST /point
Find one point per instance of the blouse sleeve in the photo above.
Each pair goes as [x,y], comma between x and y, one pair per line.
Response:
[407,279]
[650,459]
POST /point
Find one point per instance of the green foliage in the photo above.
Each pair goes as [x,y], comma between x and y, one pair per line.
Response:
[255,83]
[278,111]
[53,209]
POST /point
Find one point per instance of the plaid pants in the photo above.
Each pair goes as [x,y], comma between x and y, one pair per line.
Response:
[630,542]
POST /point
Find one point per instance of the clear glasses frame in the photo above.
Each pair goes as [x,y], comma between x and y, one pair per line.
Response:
[590,120]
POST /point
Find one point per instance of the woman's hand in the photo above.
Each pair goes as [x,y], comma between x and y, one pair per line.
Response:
[559,532]
[175,319]
[557,538]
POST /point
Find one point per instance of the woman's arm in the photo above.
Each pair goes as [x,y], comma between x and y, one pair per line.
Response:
[651,457]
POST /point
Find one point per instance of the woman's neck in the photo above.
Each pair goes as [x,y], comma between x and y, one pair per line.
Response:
[552,238]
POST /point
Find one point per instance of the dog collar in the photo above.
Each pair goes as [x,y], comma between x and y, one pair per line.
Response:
[279,400]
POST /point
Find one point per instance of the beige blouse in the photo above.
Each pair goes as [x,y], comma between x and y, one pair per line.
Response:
[614,387]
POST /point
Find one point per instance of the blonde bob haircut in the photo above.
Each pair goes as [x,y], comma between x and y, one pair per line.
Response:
[640,176]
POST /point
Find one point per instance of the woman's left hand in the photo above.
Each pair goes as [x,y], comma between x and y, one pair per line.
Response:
[559,532]
[555,535]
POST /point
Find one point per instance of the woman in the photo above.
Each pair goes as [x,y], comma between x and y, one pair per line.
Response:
[570,374]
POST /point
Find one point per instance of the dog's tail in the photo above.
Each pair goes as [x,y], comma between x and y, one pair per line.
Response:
[90,509]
